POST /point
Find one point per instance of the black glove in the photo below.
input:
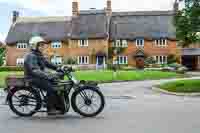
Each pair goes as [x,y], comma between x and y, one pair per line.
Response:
[59,69]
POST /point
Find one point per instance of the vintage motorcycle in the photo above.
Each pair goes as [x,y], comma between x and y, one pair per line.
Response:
[25,100]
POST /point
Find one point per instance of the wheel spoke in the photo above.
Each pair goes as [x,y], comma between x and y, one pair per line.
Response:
[82,106]
[95,104]
[24,101]
[92,108]
[16,97]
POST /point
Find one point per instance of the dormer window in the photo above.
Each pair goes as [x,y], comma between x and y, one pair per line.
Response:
[139,42]
[124,43]
[56,44]
[22,45]
[120,43]
[162,42]
[83,43]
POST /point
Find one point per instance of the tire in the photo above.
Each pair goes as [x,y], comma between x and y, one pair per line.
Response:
[33,93]
[78,110]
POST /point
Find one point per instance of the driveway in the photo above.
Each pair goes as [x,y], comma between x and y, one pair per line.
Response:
[131,107]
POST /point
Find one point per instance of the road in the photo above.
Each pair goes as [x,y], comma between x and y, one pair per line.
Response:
[131,107]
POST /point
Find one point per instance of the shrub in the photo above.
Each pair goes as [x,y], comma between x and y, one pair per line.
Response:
[150,61]
[128,68]
[175,65]
[70,61]
[171,59]
[11,68]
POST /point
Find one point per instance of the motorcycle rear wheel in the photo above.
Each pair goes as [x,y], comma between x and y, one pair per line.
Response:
[27,97]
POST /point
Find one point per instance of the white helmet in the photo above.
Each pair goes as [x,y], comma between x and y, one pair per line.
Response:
[34,41]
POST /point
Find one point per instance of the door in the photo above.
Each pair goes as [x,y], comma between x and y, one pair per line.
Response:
[100,60]
[140,62]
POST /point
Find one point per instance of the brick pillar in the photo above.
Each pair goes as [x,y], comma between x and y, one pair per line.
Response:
[198,62]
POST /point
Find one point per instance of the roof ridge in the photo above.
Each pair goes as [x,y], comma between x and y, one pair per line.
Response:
[43,19]
[150,12]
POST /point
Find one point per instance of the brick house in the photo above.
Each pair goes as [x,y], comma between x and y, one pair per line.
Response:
[88,35]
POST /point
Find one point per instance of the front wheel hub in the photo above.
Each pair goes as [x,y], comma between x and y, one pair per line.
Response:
[88,102]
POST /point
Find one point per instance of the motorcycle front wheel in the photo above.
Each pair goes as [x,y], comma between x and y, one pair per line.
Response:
[88,101]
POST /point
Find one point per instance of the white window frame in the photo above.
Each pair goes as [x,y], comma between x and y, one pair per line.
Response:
[83,43]
[57,60]
[19,61]
[120,43]
[161,59]
[22,45]
[139,42]
[83,60]
[56,44]
[124,43]
[162,42]
[122,60]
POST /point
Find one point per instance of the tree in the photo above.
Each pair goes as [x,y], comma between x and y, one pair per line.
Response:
[187,23]
[2,55]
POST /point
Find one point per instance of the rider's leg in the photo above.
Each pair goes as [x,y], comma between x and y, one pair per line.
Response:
[51,94]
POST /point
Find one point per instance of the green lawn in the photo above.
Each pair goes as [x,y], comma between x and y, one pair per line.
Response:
[107,76]
[186,86]
[123,75]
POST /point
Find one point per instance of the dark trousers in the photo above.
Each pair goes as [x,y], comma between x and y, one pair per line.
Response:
[51,92]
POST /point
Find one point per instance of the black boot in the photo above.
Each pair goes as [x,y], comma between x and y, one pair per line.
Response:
[51,110]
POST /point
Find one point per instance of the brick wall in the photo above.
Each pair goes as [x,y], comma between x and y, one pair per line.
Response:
[12,53]
[69,48]
[150,49]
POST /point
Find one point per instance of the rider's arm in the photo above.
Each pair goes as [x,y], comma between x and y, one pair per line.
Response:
[50,65]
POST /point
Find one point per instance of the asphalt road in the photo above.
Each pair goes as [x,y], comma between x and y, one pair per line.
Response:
[131,107]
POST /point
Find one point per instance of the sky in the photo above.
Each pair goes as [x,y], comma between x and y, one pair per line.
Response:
[63,8]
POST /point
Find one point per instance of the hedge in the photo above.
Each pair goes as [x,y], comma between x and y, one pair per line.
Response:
[11,68]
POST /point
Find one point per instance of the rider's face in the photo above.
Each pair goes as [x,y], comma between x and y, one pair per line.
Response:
[43,47]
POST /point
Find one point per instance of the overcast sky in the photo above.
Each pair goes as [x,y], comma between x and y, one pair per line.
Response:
[63,8]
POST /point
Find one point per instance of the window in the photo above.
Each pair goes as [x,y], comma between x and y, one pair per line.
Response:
[139,42]
[20,62]
[124,43]
[56,44]
[161,59]
[122,60]
[161,42]
[83,59]
[120,43]
[83,43]
[22,45]
[56,60]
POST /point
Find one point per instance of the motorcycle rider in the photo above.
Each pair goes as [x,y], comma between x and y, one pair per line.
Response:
[35,66]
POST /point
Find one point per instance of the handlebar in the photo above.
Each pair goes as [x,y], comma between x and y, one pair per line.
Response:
[66,69]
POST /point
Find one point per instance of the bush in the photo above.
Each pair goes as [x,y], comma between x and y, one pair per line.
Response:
[70,61]
[181,70]
[150,61]
[9,68]
[175,65]
[171,59]
[128,68]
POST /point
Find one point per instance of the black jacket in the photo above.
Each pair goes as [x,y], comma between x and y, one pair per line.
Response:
[34,65]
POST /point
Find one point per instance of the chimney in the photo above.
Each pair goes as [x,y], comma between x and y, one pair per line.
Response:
[15,16]
[109,7]
[176,6]
[75,8]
